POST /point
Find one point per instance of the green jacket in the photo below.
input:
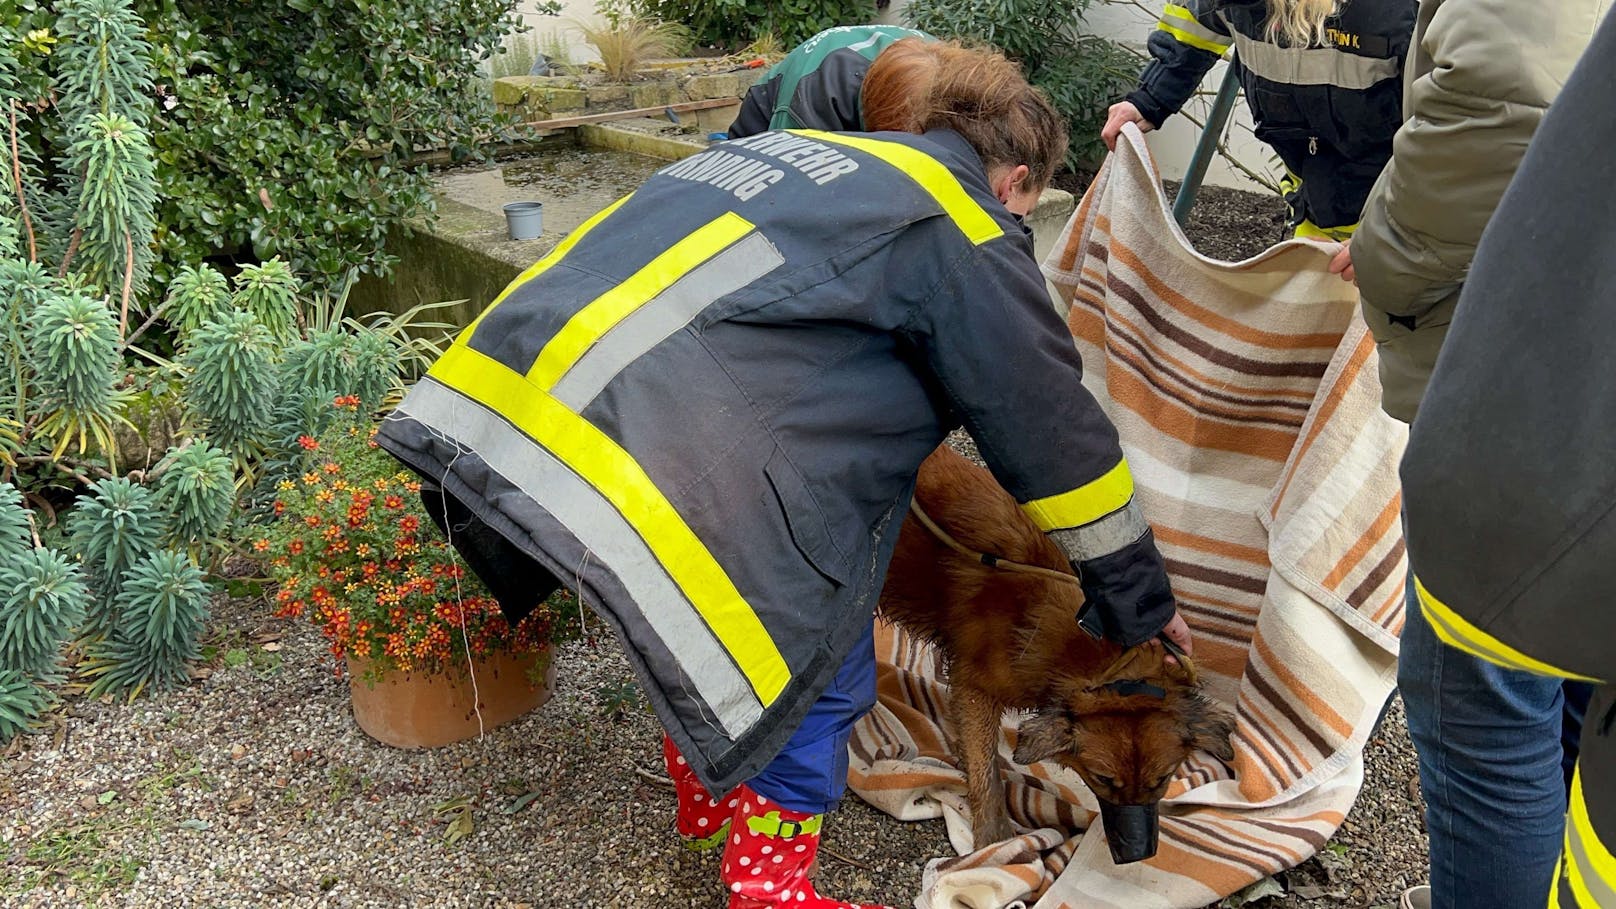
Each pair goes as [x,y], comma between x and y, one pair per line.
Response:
[817,85]
[1479,77]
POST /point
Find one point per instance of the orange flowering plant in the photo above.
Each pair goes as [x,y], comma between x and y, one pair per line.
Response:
[354,552]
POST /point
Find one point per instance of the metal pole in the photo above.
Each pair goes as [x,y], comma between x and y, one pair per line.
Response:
[1216,121]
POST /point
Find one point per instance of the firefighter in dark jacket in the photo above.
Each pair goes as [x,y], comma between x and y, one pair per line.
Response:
[1324,82]
[1510,474]
[705,410]
[820,84]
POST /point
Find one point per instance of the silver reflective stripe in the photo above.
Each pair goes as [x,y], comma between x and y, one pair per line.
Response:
[1102,537]
[592,519]
[1598,887]
[748,259]
[1182,18]
[1312,65]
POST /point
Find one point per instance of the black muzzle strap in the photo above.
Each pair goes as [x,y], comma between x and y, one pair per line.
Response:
[1130,830]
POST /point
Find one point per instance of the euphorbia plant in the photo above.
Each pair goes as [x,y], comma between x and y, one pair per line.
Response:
[355,553]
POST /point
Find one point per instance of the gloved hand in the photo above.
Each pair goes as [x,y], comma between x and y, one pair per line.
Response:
[1127,597]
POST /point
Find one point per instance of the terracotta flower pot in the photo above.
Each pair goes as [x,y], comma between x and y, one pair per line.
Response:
[431,709]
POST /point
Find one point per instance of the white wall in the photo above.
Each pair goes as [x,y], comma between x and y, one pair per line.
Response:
[571,11]
[1132,23]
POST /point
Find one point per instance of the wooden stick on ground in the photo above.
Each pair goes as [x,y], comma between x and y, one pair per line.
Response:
[684,107]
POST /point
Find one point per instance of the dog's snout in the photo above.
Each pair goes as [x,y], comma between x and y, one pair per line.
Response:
[1130,830]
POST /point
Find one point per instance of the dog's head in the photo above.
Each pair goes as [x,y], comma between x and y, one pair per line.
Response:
[1125,736]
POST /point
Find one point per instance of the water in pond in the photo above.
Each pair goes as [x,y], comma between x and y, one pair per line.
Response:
[573,183]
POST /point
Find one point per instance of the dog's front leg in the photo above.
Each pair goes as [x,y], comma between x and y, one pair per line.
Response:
[976,727]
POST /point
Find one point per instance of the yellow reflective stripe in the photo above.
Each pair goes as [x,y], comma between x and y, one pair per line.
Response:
[1581,826]
[594,320]
[933,176]
[539,267]
[1455,631]
[1307,230]
[1085,504]
[614,473]
[1191,31]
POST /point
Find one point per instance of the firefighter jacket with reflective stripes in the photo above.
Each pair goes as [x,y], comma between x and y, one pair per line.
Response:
[1510,475]
[817,85]
[706,408]
[1329,110]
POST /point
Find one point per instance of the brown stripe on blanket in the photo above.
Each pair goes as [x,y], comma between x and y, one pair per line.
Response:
[1183,423]
[1229,579]
[1264,687]
[1220,387]
[1287,423]
[1302,692]
[1283,858]
[1172,829]
[1378,576]
[1310,369]
[1127,346]
[1323,343]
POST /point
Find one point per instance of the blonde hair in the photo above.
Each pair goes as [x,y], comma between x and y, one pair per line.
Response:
[1300,23]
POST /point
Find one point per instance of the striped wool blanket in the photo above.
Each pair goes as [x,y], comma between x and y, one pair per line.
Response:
[1248,403]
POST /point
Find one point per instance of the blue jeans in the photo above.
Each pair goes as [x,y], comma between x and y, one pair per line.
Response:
[1496,749]
[810,773]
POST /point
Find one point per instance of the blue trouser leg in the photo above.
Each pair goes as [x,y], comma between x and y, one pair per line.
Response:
[1491,755]
[810,773]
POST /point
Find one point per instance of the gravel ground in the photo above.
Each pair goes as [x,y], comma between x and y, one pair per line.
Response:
[253,786]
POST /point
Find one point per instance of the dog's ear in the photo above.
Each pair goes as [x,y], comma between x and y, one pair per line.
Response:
[1208,727]
[1044,734]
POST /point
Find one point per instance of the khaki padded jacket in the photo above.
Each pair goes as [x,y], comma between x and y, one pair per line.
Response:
[1479,77]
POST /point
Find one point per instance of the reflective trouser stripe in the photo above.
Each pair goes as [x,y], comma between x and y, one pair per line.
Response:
[543,265]
[932,176]
[672,309]
[608,537]
[1307,230]
[1181,23]
[621,481]
[1455,631]
[1085,504]
[1588,867]
[1312,66]
[599,316]
[1103,537]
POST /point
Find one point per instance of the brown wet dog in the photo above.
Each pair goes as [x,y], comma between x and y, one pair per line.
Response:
[1010,640]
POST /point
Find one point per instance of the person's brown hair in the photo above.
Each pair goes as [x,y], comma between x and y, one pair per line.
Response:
[894,91]
[982,96]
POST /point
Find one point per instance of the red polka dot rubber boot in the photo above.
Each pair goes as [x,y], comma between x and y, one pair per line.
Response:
[701,820]
[769,856]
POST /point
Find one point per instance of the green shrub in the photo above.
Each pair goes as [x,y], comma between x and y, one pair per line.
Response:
[232,380]
[269,291]
[21,704]
[735,23]
[196,485]
[161,608]
[292,128]
[113,528]
[196,294]
[42,599]
[73,353]
[16,531]
[1082,74]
